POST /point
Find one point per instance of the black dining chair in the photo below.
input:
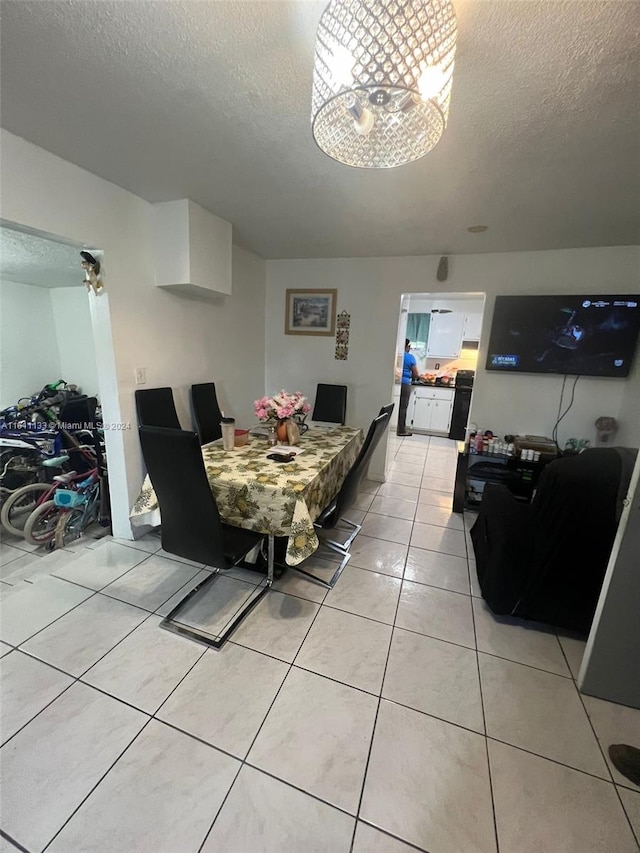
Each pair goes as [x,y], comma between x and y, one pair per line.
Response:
[333,514]
[206,411]
[191,524]
[155,407]
[387,409]
[331,404]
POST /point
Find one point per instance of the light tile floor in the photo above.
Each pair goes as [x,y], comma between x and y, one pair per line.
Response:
[393,713]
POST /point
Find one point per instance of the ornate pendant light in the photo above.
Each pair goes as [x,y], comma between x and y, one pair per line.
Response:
[382,79]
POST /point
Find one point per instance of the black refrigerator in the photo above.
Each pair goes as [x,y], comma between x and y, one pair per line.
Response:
[461,404]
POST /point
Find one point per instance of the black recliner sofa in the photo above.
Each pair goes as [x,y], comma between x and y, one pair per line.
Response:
[547,560]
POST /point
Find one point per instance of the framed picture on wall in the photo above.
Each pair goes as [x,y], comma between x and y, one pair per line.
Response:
[310,312]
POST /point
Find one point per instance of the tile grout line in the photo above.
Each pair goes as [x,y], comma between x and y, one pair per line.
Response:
[127,747]
[375,719]
[602,752]
[482,705]
[244,761]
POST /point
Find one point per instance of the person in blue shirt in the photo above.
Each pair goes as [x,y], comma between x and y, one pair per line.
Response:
[409,372]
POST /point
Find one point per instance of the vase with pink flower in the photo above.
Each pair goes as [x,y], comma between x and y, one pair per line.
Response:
[280,409]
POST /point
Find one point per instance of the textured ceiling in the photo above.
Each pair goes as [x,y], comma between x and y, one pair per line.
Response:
[29,259]
[211,101]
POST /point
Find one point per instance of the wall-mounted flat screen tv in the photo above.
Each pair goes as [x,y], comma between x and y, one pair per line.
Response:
[593,335]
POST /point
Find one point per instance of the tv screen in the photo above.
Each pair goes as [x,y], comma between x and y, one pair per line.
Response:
[579,335]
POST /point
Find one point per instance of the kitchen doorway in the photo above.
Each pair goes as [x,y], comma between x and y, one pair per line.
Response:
[444,331]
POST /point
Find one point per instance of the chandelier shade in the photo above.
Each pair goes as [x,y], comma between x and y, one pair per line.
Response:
[382,79]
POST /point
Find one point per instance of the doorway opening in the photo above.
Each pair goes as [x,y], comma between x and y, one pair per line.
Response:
[58,391]
[443,330]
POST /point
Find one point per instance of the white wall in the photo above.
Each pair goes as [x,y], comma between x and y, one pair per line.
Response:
[29,356]
[370,289]
[178,340]
[74,336]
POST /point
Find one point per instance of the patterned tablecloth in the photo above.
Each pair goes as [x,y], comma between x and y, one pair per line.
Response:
[254,492]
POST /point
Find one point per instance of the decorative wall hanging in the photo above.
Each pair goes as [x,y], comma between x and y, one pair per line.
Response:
[342,336]
[382,79]
[310,312]
[91,267]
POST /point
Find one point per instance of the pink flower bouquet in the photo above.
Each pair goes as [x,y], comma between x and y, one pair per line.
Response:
[281,406]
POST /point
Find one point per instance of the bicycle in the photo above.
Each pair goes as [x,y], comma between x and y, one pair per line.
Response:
[79,509]
[31,511]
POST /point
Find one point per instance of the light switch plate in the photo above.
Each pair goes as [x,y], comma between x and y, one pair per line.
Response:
[141,375]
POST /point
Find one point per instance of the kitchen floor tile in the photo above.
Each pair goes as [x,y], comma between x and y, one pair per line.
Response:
[539,712]
[36,605]
[631,802]
[26,687]
[437,613]
[317,737]
[365,593]
[263,815]
[5,649]
[363,501]
[541,805]
[225,697]
[473,579]
[573,648]
[439,516]
[166,608]
[391,529]
[370,840]
[81,637]
[50,766]
[143,803]
[434,538]
[146,666]
[151,583]
[293,583]
[378,555]
[394,507]
[346,648]
[434,498]
[278,625]
[431,676]
[428,783]
[97,567]
[437,484]
[415,466]
[149,543]
[518,639]
[401,478]
[614,724]
[436,569]
[394,490]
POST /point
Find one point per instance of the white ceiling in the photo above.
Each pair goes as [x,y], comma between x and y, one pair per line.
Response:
[30,259]
[211,101]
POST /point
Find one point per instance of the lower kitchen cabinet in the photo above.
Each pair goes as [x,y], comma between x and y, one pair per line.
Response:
[431,409]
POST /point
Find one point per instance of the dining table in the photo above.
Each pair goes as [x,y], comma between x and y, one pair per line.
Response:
[271,497]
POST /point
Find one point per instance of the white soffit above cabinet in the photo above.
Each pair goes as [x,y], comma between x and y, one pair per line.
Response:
[192,248]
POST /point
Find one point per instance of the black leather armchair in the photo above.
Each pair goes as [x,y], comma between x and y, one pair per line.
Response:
[547,560]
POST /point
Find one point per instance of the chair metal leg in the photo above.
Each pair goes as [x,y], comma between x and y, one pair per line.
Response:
[327,584]
[343,547]
[194,633]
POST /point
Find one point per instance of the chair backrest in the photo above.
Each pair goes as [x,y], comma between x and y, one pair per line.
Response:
[387,410]
[331,404]
[351,486]
[155,407]
[191,525]
[206,411]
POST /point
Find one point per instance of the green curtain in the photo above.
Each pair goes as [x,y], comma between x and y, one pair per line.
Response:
[418,328]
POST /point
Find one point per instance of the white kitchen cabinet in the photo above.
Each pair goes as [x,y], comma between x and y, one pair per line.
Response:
[445,335]
[431,409]
[472,327]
